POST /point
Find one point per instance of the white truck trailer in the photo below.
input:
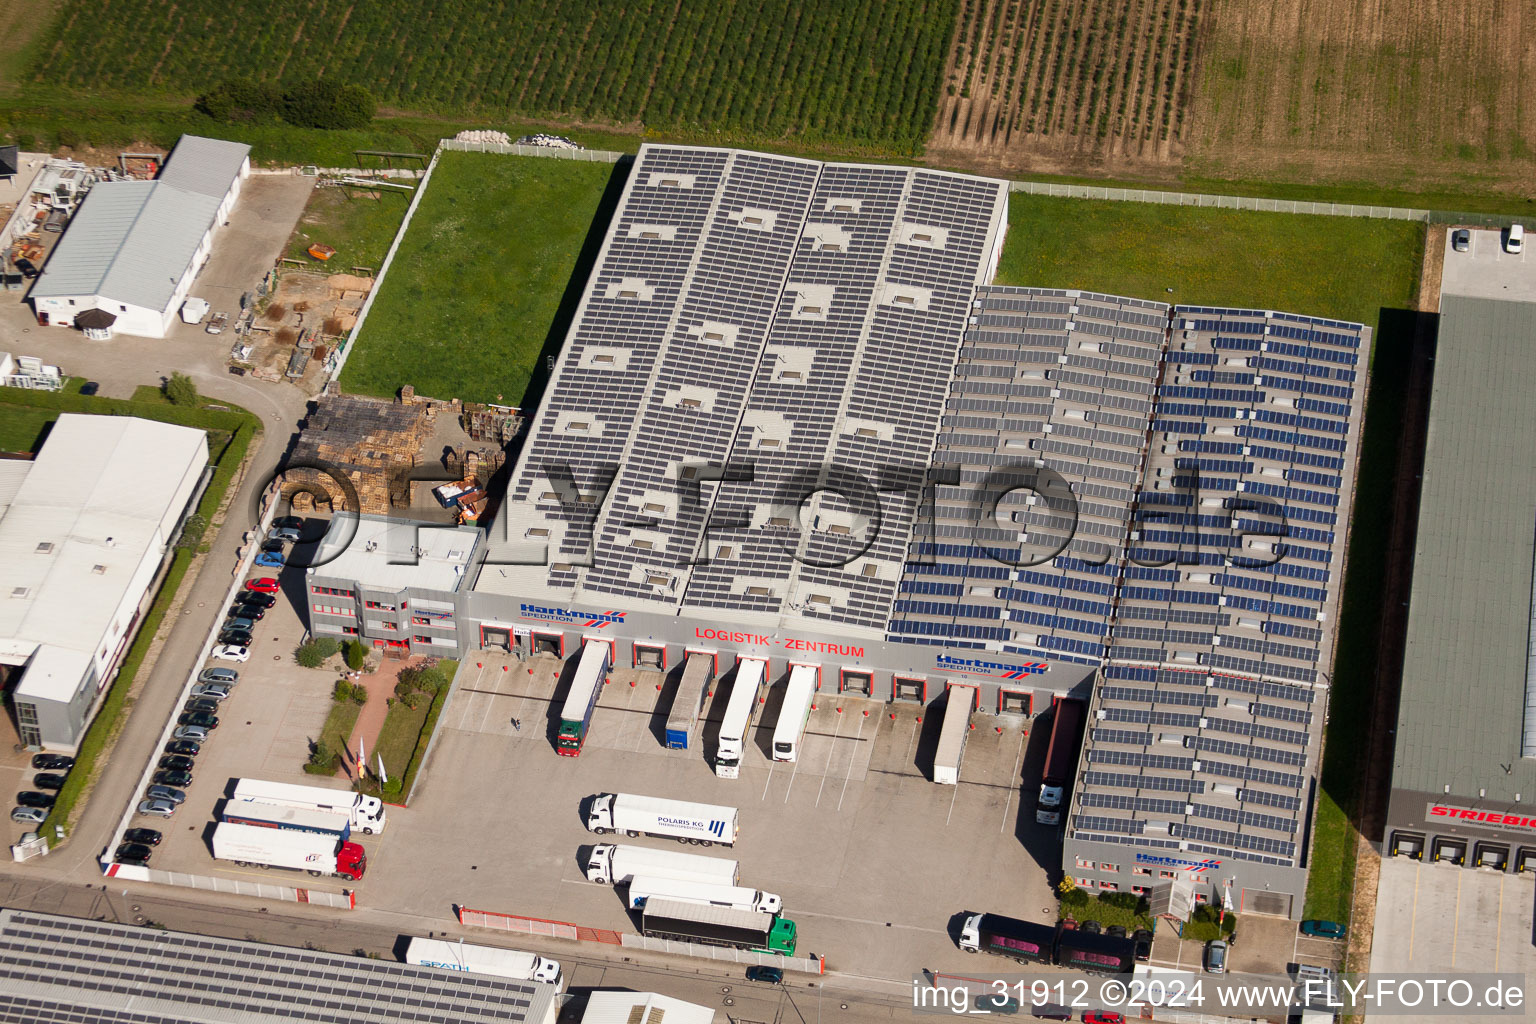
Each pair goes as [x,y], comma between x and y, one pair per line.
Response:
[952,735]
[700,824]
[642,888]
[618,865]
[366,812]
[732,743]
[315,852]
[493,960]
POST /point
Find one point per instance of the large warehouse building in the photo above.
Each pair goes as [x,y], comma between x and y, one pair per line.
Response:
[1464,769]
[84,530]
[131,253]
[793,421]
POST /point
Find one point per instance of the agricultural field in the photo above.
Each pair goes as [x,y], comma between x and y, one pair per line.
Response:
[1051,85]
[1392,91]
[751,69]
[486,277]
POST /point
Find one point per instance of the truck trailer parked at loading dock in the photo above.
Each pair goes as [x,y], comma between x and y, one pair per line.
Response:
[952,736]
[732,743]
[701,824]
[284,848]
[1060,759]
[502,963]
[298,819]
[688,702]
[717,926]
[367,812]
[586,687]
[799,693]
[645,888]
[620,865]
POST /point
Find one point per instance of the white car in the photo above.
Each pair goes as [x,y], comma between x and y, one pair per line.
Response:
[232,652]
[157,808]
[1514,240]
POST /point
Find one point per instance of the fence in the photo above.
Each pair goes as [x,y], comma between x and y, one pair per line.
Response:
[1251,203]
[809,965]
[344,900]
[518,925]
[594,156]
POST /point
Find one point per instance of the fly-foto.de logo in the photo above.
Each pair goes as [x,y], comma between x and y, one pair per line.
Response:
[587,620]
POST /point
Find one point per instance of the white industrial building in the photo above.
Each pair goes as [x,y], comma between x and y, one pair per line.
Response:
[84,530]
[650,1007]
[135,247]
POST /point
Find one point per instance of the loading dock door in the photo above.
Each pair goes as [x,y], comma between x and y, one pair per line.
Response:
[857,682]
[547,643]
[1525,860]
[1450,849]
[496,636]
[910,688]
[650,657]
[1406,844]
[1492,855]
[1012,702]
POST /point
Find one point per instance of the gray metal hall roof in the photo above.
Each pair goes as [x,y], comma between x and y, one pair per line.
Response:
[64,970]
[132,241]
[1469,620]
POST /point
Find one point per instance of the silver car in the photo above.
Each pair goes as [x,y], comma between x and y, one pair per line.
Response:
[213,691]
[157,808]
[166,793]
[228,676]
[195,733]
[29,815]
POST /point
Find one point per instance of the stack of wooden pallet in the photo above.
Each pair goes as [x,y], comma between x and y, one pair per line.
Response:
[371,443]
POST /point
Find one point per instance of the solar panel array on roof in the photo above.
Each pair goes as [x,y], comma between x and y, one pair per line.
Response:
[786,323]
[95,972]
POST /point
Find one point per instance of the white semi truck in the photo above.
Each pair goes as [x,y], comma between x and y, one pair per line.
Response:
[642,888]
[701,824]
[366,812]
[732,743]
[618,865]
[503,963]
[315,852]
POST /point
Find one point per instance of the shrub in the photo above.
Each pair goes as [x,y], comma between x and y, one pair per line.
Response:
[322,759]
[1074,898]
[308,655]
[326,103]
[359,694]
[180,390]
[404,687]
[242,100]
[1126,901]
[192,531]
[355,654]
[342,691]
[326,645]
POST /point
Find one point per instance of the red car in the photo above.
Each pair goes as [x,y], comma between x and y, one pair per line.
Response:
[1103,1018]
[266,585]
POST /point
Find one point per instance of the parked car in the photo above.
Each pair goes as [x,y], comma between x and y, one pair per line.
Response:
[1143,940]
[769,975]
[202,719]
[1050,1011]
[132,853]
[157,808]
[286,534]
[30,799]
[224,676]
[232,652]
[1461,239]
[216,325]
[52,762]
[1323,929]
[248,612]
[1090,927]
[235,637]
[207,704]
[996,1002]
[28,815]
[275,544]
[1115,931]
[1216,956]
[147,836]
[160,791]
[169,778]
[289,522]
[236,625]
[1102,1017]
[211,691]
[177,763]
[27,267]
[256,599]
[48,780]
[190,734]
[270,560]
[186,748]
[1514,239]
[262,585]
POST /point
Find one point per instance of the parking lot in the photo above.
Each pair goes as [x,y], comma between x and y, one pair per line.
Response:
[1439,917]
[1486,271]
[874,862]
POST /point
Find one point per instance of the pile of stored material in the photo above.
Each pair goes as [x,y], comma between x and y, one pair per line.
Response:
[498,423]
[482,135]
[372,443]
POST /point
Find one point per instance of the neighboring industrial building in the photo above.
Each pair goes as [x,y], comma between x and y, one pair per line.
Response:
[391,583]
[1464,770]
[644,1007]
[66,970]
[84,531]
[129,255]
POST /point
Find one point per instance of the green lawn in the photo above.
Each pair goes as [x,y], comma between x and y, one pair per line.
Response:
[1341,267]
[397,739]
[358,227]
[337,729]
[486,278]
[20,428]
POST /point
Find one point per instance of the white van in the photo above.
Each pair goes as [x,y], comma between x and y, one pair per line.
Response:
[1514,242]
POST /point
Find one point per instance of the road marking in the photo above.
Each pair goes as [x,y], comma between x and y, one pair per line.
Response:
[1498,936]
[768,781]
[1413,916]
[848,776]
[826,767]
[1456,921]
[1017,760]
[953,797]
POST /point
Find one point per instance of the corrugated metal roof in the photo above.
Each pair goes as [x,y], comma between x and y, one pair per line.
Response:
[1463,690]
[620,1007]
[131,242]
[205,166]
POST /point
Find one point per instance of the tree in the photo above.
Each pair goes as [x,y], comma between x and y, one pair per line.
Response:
[180,390]
[356,654]
[326,103]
